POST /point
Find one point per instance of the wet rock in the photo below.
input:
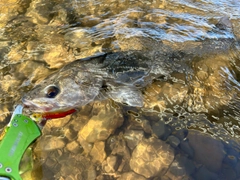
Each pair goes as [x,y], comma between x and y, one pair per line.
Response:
[102,125]
[89,21]
[161,130]
[74,147]
[59,123]
[70,134]
[207,151]
[133,137]
[98,152]
[204,173]
[50,162]
[131,176]
[152,97]
[116,145]
[165,94]
[224,23]
[110,165]
[47,143]
[151,157]
[173,141]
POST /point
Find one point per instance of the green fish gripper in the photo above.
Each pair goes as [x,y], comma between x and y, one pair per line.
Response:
[21,133]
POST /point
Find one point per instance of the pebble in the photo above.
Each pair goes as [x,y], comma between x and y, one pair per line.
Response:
[173,141]
[73,147]
[151,157]
[109,165]
[133,137]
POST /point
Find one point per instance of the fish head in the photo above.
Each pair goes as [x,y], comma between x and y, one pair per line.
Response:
[61,92]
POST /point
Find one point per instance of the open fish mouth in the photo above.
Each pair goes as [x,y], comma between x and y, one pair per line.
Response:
[39,108]
[46,112]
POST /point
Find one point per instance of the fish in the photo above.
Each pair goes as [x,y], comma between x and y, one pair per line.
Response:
[120,76]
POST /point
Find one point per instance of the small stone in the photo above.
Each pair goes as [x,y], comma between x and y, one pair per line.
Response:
[98,151]
[133,137]
[173,141]
[60,122]
[73,147]
[161,130]
[70,134]
[89,21]
[151,157]
[51,162]
[110,164]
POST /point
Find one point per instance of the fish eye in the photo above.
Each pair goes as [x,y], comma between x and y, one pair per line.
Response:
[51,91]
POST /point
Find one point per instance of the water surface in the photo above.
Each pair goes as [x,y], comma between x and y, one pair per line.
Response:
[189,125]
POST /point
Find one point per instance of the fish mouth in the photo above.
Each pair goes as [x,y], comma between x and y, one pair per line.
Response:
[38,108]
[47,112]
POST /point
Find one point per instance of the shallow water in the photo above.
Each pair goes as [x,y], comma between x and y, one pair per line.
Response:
[189,125]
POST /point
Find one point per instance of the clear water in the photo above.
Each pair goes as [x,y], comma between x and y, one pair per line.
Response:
[194,106]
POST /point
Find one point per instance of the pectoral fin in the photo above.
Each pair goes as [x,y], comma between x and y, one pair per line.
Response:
[127,95]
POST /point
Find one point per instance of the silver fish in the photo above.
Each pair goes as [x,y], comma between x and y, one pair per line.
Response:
[110,75]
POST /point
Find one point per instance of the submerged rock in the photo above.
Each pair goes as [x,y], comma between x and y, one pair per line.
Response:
[102,125]
[151,157]
[207,150]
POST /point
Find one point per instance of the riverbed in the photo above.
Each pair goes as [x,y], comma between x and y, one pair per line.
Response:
[188,127]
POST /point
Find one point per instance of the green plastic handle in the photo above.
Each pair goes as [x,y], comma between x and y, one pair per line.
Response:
[21,133]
